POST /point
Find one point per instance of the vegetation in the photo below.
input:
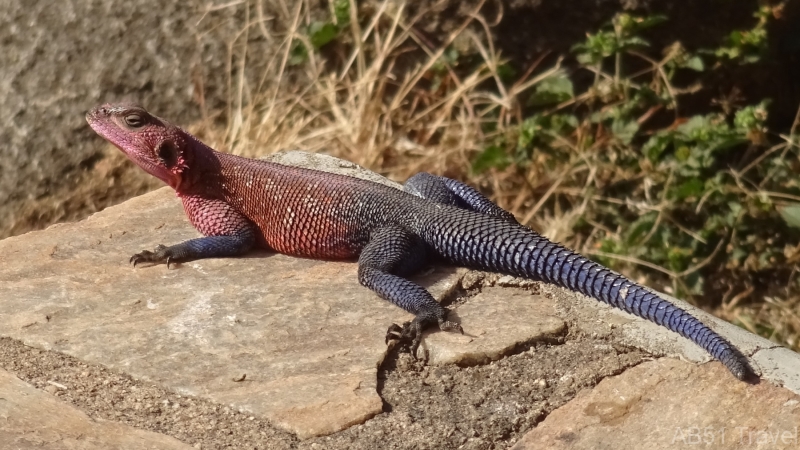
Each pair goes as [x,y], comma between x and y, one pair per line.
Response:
[592,148]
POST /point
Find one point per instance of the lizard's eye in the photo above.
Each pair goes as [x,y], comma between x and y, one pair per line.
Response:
[134,120]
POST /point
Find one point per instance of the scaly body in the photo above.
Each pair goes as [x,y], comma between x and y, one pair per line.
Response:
[239,203]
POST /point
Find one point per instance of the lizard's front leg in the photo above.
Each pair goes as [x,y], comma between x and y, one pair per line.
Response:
[392,252]
[227,233]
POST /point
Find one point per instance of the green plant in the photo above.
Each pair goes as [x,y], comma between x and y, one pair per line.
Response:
[320,33]
[605,157]
[675,196]
[747,46]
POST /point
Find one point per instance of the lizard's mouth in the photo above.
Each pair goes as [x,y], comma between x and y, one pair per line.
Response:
[101,120]
[105,121]
[93,115]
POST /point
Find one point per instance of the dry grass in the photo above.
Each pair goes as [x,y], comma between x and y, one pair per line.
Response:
[777,316]
[390,101]
[377,107]
[378,110]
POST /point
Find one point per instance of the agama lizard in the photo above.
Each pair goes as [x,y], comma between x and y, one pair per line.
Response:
[239,203]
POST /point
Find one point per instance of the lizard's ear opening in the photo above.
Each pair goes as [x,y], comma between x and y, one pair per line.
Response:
[169,155]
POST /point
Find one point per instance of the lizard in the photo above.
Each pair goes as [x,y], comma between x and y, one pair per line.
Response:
[238,204]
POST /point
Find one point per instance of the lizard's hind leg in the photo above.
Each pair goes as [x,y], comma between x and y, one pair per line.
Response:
[454,193]
[391,253]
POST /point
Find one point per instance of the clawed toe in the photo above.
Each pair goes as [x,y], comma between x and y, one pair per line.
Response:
[143,256]
[395,332]
[410,334]
[158,255]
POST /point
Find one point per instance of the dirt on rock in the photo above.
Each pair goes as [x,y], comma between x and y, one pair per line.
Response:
[446,407]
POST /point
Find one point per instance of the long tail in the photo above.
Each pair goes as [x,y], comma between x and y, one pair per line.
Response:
[488,243]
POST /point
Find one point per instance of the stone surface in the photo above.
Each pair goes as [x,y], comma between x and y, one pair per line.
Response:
[772,362]
[304,335]
[34,419]
[307,336]
[668,404]
[781,366]
[59,59]
[327,163]
[495,322]
[295,341]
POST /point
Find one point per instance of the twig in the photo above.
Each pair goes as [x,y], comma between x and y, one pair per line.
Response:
[633,260]
[703,263]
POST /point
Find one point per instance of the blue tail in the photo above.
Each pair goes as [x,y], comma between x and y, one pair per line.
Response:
[488,243]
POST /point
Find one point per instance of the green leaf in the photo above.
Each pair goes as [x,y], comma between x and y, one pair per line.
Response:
[683,153]
[657,145]
[320,33]
[679,258]
[633,41]
[552,90]
[341,12]
[695,63]
[449,58]
[506,72]
[631,24]
[739,254]
[650,21]
[298,54]
[695,126]
[493,157]
[561,123]
[689,188]
[624,130]
[791,214]
[596,47]
[528,131]
[751,117]
[639,228]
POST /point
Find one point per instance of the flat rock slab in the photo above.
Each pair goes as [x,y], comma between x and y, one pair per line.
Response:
[669,404]
[771,362]
[34,419]
[306,337]
[496,321]
[293,340]
[328,163]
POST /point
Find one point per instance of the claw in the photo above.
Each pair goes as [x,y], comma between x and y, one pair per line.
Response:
[411,332]
[158,255]
[394,333]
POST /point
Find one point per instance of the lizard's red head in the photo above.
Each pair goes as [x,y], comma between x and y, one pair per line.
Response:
[155,145]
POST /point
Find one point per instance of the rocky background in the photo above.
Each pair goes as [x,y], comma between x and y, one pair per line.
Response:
[58,59]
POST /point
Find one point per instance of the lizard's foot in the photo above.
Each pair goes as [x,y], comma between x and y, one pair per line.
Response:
[411,332]
[159,254]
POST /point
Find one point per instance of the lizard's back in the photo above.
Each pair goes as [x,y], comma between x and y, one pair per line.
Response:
[307,212]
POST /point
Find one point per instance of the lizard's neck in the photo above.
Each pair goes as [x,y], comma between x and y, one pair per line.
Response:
[203,169]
